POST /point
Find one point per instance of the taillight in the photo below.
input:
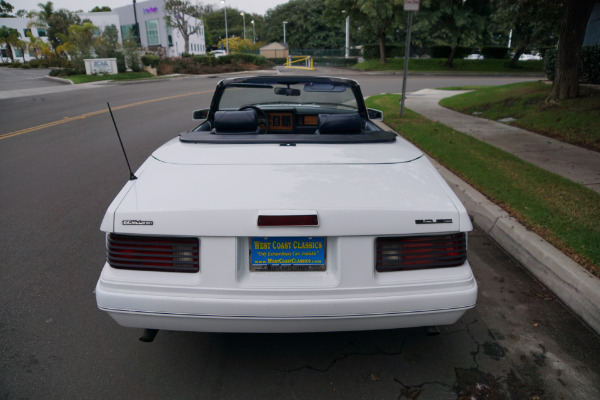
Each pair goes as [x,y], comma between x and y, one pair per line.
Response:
[420,252]
[151,253]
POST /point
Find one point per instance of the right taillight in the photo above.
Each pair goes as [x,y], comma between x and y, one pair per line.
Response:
[152,253]
[420,252]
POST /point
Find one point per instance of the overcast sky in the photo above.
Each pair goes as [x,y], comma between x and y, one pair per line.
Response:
[250,6]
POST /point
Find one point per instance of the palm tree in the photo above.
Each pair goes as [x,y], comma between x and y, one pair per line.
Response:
[41,18]
[10,38]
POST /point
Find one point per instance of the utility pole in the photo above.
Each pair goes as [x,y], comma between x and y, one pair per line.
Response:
[411,6]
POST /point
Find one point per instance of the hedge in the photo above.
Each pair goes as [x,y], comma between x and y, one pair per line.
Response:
[150,60]
[371,51]
[201,64]
[495,52]
[589,67]
[444,52]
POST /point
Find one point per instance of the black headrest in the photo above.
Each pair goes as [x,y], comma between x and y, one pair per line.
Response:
[339,123]
[236,121]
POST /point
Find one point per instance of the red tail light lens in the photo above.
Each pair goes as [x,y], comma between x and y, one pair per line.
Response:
[420,252]
[150,253]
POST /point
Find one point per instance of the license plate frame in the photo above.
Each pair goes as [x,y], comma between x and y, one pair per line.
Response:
[288,254]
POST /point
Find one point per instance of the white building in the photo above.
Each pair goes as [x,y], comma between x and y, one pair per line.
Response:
[154,31]
[99,19]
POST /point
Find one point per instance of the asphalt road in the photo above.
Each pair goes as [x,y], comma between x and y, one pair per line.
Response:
[61,165]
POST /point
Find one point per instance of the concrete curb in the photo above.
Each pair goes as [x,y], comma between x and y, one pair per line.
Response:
[577,288]
[60,80]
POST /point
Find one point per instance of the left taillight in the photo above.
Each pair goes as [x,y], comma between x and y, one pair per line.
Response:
[153,253]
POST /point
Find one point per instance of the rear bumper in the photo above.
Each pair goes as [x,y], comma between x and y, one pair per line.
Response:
[335,309]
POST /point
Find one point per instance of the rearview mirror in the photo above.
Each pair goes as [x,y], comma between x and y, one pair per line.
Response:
[287,91]
[201,114]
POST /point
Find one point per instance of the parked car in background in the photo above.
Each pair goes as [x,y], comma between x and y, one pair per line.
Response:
[286,210]
[527,57]
[218,53]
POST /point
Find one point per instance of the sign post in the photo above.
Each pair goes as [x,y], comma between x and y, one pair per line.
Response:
[411,6]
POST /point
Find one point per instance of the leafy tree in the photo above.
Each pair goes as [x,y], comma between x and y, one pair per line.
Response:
[37,46]
[572,33]
[10,38]
[78,43]
[41,18]
[5,9]
[132,54]
[457,23]
[534,23]
[238,44]
[107,44]
[177,15]
[56,23]
[58,26]
[101,9]
[214,24]
[377,16]
[306,25]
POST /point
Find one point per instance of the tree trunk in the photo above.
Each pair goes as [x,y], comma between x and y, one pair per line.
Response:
[572,33]
[9,53]
[450,60]
[381,48]
[515,59]
[381,37]
[186,39]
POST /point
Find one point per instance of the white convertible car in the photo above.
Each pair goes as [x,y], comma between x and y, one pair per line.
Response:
[286,210]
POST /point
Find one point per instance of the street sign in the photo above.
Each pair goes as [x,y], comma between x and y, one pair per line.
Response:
[411,5]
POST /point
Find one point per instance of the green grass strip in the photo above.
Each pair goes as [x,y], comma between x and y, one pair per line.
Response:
[574,121]
[125,76]
[563,212]
[460,65]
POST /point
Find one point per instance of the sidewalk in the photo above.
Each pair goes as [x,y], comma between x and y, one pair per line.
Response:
[572,162]
[577,288]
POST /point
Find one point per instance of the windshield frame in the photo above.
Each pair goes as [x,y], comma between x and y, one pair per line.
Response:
[266,81]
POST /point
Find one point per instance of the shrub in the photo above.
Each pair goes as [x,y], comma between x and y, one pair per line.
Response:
[589,67]
[335,61]
[150,60]
[239,58]
[121,65]
[371,51]
[34,63]
[206,60]
[496,52]
[26,66]
[444,52]
[550,63]
[590,64]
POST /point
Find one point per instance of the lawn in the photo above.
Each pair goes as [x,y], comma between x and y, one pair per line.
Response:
[460,65]
[125,76]
[574,121]
[563,212]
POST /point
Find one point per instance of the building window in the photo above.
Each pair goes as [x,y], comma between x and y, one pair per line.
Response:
[18,52]
[41,32]
[128,31]
[152,32]
[170,35]
[26,31]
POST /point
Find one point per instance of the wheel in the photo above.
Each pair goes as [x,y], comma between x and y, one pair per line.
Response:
[263,119]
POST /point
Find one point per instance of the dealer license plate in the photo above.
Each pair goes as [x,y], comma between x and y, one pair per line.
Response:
[287,254]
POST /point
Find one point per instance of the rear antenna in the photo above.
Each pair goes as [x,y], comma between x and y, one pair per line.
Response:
[131,175]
